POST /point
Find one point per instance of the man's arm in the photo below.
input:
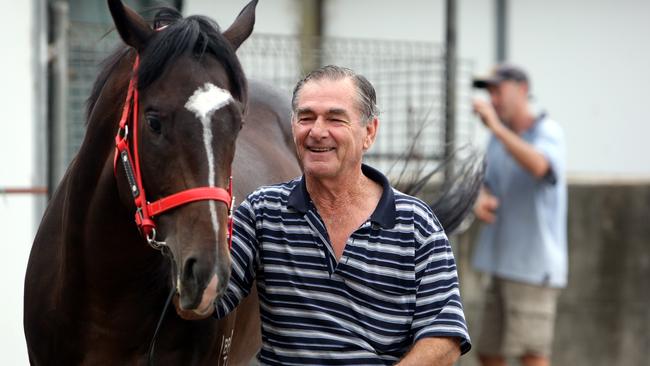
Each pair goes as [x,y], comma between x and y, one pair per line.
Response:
[438,326]
[432,351]
[524,153]
[244,255]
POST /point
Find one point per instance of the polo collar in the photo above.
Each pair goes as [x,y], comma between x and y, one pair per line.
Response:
[384,213]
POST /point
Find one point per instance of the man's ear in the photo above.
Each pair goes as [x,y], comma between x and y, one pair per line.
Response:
[371,133]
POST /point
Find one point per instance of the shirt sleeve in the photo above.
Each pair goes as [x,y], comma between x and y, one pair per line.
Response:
[549,140]
[244,254]
[438,307]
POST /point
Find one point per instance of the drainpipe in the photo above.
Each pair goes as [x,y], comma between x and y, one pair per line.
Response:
[311,33]
[450,87]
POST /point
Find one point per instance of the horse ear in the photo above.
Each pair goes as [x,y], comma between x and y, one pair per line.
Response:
[132,27]
[242,27]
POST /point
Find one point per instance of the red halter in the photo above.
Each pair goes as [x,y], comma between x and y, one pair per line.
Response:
[146,211]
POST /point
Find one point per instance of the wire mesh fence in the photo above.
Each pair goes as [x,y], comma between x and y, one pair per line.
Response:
[89,44]
[408,78]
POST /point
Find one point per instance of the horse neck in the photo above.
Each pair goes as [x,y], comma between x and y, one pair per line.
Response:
[99,220]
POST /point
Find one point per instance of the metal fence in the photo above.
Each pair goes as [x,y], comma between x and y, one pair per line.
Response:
[89,44]
[408,77]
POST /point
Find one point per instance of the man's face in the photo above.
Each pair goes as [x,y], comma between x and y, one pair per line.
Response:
[507,98]
[329,134]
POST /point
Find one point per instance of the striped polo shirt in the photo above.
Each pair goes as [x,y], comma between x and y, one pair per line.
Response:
[395,283]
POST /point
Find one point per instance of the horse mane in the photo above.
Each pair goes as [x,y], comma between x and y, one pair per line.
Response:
[453,199]
[197,35]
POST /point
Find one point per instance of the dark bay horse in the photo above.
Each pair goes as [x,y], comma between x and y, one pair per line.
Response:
[94,288]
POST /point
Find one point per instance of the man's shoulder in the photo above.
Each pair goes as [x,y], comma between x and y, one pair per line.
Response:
[548,126]
[407,200]
[421,212]
[274,192]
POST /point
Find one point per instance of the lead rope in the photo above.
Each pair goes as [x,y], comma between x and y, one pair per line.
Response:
[152,345]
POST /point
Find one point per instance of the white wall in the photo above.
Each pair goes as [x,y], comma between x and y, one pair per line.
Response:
[587,59]
[17,212]
[275,16]
[590,65]
[419,20]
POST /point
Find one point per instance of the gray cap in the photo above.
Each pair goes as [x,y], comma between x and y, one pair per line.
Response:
[502,73]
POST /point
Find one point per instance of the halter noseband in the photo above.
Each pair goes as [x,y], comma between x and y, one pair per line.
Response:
[146,211]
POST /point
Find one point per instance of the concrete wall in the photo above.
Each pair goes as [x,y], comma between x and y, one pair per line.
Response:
[589,64]
[604,313]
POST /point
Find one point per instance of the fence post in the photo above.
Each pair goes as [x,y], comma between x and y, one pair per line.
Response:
[57,140]
[41,109]
[450,87]
[311,35]
[501,10]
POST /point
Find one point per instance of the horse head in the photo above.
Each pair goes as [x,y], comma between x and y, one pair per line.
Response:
[191,95]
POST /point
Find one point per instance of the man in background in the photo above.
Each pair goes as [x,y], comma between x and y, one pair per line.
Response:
[523,205]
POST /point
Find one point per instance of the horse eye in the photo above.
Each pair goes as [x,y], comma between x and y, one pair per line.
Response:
[154,123]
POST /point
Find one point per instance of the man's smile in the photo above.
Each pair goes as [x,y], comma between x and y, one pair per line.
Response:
[319,149]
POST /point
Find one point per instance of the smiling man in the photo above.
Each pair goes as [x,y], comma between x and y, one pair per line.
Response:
[348,269]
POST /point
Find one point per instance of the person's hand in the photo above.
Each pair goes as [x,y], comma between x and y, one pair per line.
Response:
[485,206]
[486,112]
[205,308]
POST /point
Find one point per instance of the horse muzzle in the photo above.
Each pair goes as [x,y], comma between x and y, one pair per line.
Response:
[198,286]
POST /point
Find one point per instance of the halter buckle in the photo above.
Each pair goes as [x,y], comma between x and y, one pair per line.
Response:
[158,245]
[123,132]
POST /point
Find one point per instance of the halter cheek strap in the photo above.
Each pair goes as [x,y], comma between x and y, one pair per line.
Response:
[146,211]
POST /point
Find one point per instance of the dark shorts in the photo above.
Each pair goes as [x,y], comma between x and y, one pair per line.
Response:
[518,319]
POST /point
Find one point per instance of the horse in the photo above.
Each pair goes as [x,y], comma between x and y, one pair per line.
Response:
[171,117]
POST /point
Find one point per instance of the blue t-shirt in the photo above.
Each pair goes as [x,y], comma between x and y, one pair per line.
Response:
[527,242]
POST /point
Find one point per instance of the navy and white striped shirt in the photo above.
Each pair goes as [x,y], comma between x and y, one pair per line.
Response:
[395,283]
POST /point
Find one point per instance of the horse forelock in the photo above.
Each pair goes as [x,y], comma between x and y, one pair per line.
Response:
[196,35]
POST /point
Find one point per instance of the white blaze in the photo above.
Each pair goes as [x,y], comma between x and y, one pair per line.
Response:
[206,100]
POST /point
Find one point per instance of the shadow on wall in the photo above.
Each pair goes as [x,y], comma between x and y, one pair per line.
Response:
[604,313]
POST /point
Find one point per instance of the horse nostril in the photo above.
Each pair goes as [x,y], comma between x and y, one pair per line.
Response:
[196,272]
[190,269]
[190,282]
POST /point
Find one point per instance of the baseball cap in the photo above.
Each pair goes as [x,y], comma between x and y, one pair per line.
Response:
[501,73]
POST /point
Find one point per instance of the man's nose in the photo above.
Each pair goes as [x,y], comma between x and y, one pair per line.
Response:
[319,129]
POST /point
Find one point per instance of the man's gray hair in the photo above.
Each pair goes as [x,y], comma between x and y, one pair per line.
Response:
[366,95]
